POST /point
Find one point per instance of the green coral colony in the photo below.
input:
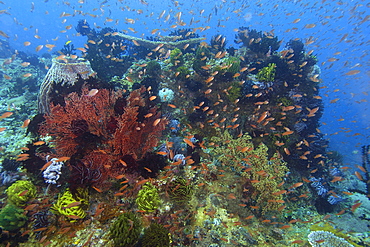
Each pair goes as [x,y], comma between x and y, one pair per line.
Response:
[178,141]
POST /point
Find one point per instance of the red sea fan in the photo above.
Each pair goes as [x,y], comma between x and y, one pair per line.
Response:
[89,125]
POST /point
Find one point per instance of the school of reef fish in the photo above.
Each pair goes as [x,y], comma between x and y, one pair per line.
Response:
[173,141]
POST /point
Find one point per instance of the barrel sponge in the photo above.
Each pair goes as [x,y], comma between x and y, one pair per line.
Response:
[326,239]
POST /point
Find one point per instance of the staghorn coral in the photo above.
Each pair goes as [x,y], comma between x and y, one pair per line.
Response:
[72,206]
[20,192]
[64,72]
[148,198]
[254,164]
[326,239]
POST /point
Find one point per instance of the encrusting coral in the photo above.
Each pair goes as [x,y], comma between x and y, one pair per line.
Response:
[20,192]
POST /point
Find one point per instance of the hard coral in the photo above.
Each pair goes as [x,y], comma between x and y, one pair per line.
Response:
[20,192]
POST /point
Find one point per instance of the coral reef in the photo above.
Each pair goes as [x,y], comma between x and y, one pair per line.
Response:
[180,190]
[20,192]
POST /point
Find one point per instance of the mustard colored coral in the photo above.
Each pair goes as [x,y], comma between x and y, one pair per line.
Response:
[72,206]
[20,192]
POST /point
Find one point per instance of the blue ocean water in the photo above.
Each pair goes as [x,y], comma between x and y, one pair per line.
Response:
[336,31]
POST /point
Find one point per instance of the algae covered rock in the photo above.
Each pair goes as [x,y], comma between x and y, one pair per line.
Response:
[12,218]
[21,192]
[125,231]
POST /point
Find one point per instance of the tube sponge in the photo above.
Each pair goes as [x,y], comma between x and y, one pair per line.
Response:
[21,192]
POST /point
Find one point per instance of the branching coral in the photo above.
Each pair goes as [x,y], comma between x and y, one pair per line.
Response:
[254,164]
[21,192]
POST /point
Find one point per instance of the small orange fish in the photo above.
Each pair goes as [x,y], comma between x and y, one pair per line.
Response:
[156,122]
[62,159]
[359,176]
[27,75]
[285,227]
[39,47]
[46,165]
[38,143]
[2,129]
[97,189]
[23,193]
[73,204]
[355,206]
[249,217]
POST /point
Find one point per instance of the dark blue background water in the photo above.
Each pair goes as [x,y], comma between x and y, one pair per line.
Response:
[333,20]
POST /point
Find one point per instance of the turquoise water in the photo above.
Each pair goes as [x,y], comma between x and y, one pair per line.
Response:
[194,123]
